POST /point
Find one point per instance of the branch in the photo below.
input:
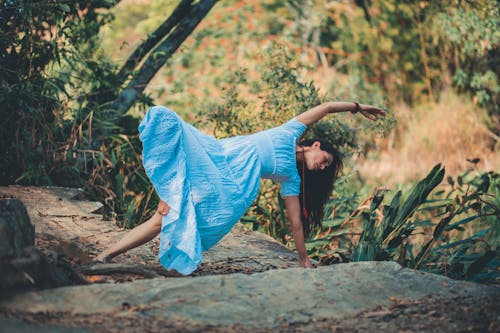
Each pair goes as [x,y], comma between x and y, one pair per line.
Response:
[104,269]
[158,57]
[365,6]
[164,29]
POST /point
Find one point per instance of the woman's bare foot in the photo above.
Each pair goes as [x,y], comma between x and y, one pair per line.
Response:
[139,235]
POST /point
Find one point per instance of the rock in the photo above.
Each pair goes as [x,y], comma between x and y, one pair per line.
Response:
[22,266]
[274,294]
[16,230]
[29,270]
[18,326]
[71,226]
[260,300]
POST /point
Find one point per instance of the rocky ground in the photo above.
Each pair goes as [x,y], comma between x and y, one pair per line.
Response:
[248,283]
[455,315]
[72,229]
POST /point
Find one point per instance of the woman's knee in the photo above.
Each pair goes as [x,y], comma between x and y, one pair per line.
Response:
[163,208]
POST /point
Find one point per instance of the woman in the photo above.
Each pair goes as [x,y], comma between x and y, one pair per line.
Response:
[205,185]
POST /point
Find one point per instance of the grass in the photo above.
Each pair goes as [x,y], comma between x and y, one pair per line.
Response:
[450,132]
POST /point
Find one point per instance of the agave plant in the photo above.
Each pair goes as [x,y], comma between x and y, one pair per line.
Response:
[379,241]
[455,231]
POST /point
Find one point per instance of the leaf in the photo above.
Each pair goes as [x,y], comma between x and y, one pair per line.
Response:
[474,160]
[377,200]
[395,242]
[415,199]
[424,209]
[463,221]
[424,252]
[420,193]
[478,264]
[64,8]
[438,230]
[390,213]
[472,238]
[317,242]
[339,233]
[485,183]
[452,245]
[334,223]
[423,223]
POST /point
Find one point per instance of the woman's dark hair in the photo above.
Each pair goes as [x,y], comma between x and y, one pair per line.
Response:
[318,186]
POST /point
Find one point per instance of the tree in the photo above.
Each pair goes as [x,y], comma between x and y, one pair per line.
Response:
[160,46]
[35,38]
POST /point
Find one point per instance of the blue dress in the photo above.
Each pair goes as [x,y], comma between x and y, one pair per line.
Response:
[209,183]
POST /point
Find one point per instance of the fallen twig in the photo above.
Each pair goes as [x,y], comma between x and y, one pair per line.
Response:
[105,269]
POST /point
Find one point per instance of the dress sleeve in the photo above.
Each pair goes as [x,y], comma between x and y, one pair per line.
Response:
[290,186]
[285,152]
[295,127]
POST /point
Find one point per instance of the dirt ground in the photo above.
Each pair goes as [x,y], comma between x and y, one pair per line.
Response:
[427,315]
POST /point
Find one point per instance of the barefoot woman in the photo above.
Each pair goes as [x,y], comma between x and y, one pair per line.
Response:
[205,185]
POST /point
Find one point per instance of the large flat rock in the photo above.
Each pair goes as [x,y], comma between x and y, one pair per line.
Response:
[260,300]
[68,224]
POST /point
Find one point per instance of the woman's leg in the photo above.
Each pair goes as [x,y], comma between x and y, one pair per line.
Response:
[139,235]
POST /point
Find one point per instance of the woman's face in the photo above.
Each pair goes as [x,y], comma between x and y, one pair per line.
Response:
[317,159]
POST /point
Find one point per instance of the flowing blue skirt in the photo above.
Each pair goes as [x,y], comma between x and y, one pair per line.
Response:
[208,184]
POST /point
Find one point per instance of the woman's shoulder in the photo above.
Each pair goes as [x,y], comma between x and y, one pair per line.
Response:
[294,126]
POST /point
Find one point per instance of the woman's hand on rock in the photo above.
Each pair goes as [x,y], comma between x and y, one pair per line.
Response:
[306,262]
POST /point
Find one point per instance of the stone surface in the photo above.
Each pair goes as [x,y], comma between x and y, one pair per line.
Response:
[31,270]
[17,326]
[261,300]
[22,266]
[69,225]
[16,230]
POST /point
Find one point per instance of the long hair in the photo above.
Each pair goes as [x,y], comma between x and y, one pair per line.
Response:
[317,185]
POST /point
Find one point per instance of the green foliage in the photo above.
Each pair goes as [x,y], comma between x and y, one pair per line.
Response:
[455,232]
[117,176]
[378,240]
[468,231]
[37,38]
[227,117]
[52,94]
[283,96]
[408,49]
[470,38]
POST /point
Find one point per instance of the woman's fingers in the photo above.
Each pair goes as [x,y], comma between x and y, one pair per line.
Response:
[379,112]
[306,263]
[371,112]
[369,115]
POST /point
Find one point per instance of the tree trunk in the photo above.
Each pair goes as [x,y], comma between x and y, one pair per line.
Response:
[164,29]
[158,57]
[364,4]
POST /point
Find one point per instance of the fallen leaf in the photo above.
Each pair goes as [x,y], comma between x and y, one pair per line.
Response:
[377,313]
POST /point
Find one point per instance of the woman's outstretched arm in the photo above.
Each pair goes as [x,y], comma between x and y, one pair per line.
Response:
[316,113]
[292,205]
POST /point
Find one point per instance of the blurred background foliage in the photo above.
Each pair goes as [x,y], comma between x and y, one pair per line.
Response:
[253,65]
